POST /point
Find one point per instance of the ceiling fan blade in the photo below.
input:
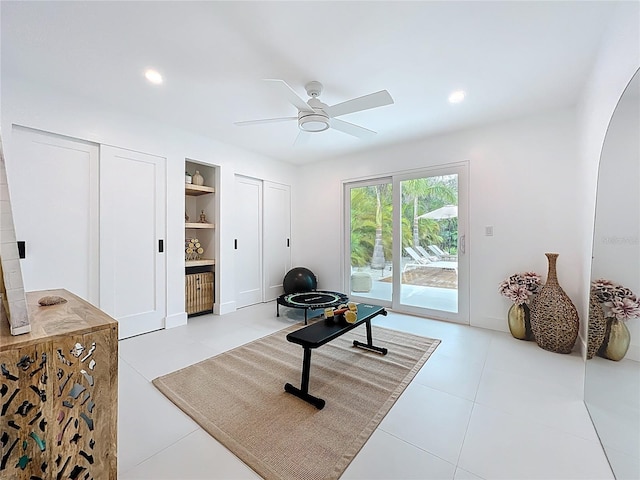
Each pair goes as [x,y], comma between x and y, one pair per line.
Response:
[351,129]
[266,120]
[302,139]
[373,100]
[290,94]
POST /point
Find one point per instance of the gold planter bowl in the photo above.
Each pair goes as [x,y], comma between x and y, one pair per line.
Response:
[518,319]
[617,340]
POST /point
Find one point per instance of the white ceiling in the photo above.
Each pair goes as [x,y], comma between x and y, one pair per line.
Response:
[512,58]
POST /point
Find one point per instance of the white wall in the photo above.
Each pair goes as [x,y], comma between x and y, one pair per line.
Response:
[523,181]
[37,107]
[618,60]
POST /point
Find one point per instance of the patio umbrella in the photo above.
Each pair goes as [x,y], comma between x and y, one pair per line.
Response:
[442,213]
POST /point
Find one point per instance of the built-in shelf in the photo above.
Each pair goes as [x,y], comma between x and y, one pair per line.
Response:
[203,262]
[199,225]
[199,204]
[195,190]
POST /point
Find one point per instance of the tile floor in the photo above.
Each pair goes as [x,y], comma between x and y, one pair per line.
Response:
[612,394]
[485,406]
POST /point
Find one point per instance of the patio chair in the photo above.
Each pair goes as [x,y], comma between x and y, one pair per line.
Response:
[424,253]
[441,254]
[418,260]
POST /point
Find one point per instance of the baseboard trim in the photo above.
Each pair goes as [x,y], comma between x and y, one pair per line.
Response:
[176,320]
[225,308]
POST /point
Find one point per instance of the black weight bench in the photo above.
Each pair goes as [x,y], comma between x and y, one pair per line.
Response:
[323,331]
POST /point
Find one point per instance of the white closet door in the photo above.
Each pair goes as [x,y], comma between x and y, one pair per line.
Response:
[54,191]
[248,241]
[132,224]
[277,235]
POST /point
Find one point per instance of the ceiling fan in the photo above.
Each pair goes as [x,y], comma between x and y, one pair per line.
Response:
[315,116]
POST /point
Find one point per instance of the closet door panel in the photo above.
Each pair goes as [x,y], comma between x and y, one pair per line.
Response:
[54,191]
[277,237]
[132,214]
[248,238]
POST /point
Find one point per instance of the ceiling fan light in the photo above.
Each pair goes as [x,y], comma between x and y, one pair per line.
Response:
[153,76]
[313,123]
[457,96]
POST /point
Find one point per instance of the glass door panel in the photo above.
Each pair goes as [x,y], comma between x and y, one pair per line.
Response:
[369,213]
[431,271]
[429,261]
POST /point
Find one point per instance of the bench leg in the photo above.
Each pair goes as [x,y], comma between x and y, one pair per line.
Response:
[303,391]
[369,345]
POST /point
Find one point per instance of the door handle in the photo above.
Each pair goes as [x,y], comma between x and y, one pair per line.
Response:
[287,242]
[160,246]
[463,246]
[22,249]
[235,244]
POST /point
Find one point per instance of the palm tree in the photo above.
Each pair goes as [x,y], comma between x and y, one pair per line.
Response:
[363,226]
[370,220]
[377,259]
[430,193]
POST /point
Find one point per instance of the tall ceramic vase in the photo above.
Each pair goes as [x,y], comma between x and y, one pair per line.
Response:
[554,318]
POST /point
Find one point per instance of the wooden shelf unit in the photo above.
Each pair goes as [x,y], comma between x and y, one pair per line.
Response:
[203,262]
[200,274]
[199,225]
[197,190]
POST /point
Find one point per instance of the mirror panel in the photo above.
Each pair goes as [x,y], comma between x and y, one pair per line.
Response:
[13,303]
[612,388]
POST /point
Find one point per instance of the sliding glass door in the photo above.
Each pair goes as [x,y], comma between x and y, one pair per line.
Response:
[406,245]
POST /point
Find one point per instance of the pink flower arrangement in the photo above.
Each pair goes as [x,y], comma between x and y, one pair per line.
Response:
[617,301]
[520,287]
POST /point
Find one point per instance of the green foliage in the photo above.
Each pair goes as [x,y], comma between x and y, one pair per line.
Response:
[422,195]
[370,210]
[371,213]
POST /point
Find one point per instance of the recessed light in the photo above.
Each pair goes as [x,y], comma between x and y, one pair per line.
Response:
[153,76]
[457,96]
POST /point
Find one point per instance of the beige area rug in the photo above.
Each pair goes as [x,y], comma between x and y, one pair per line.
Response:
[239,398]
[429,277]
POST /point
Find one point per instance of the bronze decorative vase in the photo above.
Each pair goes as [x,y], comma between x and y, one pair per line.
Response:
[519,323]
[554,318]
[616,341]
[597,326]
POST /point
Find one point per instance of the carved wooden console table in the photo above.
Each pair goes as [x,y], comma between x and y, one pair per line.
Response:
[59,393]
